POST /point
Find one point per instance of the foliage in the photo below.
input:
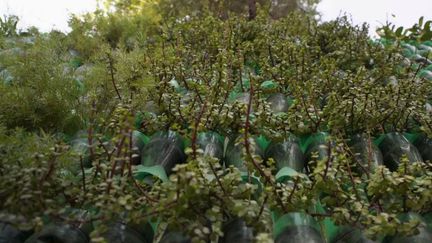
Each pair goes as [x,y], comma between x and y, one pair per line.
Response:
[420,31]
[196,75]
[37,91]
[8,26]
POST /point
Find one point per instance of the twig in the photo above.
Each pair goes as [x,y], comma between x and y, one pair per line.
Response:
[195,131]
[247,147]
[83,174]
[111,70]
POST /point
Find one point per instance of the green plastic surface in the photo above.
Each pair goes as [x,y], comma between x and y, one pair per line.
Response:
[269,85]
[292,219]
[157,171]
[285,173]
[307,140]
[262,142]
[253,179]
[329,229]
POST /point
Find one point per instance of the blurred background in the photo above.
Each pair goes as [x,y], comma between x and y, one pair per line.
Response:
[54,14]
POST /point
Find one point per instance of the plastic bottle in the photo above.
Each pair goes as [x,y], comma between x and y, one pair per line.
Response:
[237,231]
[297,228]
[393,146]
[164,149]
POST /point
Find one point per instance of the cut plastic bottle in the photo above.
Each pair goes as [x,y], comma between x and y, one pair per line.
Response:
[286,154]
[297,228]
[237,231]
[164,149]
[394,146]
[366,153]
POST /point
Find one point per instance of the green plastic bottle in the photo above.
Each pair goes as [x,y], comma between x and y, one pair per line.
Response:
[424,146]
[393,146]
[287,154]
[297,228]
[165,149]
[424,235]
[237,231]
[317,144]
[212,144]
[366,153]
[60,233]
[10,234]
[278,103]
[139,140]
[351,235]
[122,233]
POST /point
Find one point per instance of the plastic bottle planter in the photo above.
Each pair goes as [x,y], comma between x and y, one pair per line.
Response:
[233,153]
[174,237]
[278,103]
[288,156]
[119,233]
[212,144]
[408,50]
[81,147]
[160,155]
[237,231]
[366,153]
[6,77]
[82,72]
[233,156]
[424,146]
[10,234]
[59,234]
[242,98]
[351,235]
[297,228]
[269,86]
[424,50]
[152,107]
[141,117]
[428,219]
[424,235]
[139,140]
[317,144]
[394,146]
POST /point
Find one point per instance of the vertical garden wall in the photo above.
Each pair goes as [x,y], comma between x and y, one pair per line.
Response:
[147,125]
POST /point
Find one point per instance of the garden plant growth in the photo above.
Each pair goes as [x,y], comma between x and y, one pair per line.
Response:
[154,123]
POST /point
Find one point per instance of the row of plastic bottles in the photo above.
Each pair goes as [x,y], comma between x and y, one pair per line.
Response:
[166,149]
[160,153]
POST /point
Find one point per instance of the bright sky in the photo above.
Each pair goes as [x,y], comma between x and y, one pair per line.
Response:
[377,12]
[45,14]
[48,14]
